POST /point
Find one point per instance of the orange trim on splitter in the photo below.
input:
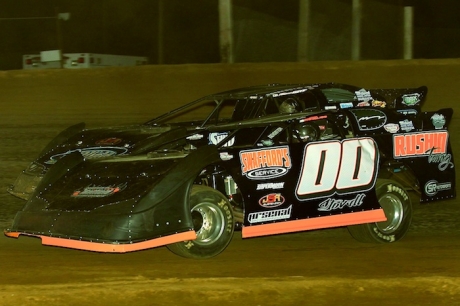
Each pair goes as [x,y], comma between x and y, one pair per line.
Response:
[109,247]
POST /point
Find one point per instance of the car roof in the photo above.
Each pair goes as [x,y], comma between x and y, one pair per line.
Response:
[273,118]
[261,91]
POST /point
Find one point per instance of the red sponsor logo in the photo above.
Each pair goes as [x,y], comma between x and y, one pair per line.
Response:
[98,191]
[419,144]
[271,200]
[108,141]
[265,158]
[313,118]
[361,104]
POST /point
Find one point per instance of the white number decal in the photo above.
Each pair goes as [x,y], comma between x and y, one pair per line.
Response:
[338,167]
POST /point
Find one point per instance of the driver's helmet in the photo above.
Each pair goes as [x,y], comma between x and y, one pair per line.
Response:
[289,106]
[306,132]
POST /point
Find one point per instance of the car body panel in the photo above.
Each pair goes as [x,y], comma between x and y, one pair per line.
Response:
[127,188]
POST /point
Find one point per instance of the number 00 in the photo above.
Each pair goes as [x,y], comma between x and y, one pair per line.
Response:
[337,167]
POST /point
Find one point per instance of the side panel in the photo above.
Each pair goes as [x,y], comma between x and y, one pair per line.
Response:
[430,157]
[302,186]
[419,140]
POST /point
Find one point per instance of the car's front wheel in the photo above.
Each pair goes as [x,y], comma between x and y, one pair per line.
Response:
[213,223]
[396,204]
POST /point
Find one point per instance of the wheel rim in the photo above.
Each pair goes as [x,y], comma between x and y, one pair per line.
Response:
[394,211]
[208,223]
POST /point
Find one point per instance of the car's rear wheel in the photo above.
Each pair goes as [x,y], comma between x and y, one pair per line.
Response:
[213,223]
[396,204]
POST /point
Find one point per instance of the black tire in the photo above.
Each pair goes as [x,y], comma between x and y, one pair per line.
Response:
[213,223]
[396,204]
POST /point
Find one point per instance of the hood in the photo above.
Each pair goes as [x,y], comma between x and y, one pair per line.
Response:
[108,142]
[95,184]
[82,185]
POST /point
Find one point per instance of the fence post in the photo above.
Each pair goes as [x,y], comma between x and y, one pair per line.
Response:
[303,31]
[226,31]
[356,30]
[408,32]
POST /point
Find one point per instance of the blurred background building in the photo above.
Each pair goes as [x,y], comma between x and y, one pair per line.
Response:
[188,31]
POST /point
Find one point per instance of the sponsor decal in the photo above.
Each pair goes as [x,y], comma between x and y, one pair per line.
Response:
[398,190]
[377,103]
[98,191]
[433,187]
[406,125]
[313,118]
[363,95]
[419,144]
[266,143]
[362,104]
[195,137]
[228,211]
[391,127]
[389,238]
[90,153]
[438,121]
[263,164]
[270,186]
[290,92]
[271,215]
[111,141]
[407,111]
[443,160]
[275,132]
[271,200]
[269,142]
[225,156]
[346,105]
[411,99]
[215,138]
[346,124]
[337,204]
[369,119]
[330,107]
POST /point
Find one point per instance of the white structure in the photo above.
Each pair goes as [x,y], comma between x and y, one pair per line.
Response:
[51,59]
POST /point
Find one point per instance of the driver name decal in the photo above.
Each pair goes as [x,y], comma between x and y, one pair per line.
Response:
[265,163]
[337,204]
[420,144]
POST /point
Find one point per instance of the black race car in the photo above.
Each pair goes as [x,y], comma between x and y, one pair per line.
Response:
[267,159]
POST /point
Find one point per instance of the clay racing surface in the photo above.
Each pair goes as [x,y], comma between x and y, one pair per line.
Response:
[326,267]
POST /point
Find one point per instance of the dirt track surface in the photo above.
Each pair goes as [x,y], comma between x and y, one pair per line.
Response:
[314,268]
[309,269]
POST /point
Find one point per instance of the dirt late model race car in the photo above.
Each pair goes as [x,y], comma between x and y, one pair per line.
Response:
[266,160]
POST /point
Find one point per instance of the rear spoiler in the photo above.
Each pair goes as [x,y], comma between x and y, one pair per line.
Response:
[403,98]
